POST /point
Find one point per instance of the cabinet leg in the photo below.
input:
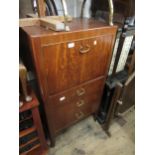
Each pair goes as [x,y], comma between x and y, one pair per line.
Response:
[95,116]
[51,141]
[105,127]
[108,133]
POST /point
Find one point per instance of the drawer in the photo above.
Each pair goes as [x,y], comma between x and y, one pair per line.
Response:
[79,92]
[65,115]
[86,106]
[89,103]
[69,64]
[66,108]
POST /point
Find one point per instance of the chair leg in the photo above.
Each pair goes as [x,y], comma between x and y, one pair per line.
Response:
[23,79]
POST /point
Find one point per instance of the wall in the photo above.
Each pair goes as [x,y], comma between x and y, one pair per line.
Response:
[25,6]
[74,7]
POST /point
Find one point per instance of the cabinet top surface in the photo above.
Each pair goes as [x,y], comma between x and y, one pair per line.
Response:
[76,25]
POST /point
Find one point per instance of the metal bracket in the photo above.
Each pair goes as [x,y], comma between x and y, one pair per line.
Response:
[111,12]
[65,14]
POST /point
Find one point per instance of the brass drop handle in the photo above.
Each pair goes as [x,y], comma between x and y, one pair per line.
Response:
[79,115]
[84,49]
[80,91]
[80,103]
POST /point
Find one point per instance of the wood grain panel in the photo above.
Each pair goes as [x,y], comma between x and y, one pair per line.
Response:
[67,67]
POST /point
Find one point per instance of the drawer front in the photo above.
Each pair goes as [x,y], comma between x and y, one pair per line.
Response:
[89,103]
[63,116]
[79,92]
[66,108]
[66,65]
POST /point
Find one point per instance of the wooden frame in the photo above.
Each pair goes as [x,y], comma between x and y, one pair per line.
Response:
[116,102]
[41,8]
[33,106]
[113,105]
[55,23]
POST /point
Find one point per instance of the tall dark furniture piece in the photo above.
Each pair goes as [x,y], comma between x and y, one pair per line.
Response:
[119,94]
[71,68]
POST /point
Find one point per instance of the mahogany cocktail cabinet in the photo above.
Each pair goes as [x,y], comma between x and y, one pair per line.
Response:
[71,68]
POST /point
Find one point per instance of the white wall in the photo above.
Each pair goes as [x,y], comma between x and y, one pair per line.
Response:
[74,7]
